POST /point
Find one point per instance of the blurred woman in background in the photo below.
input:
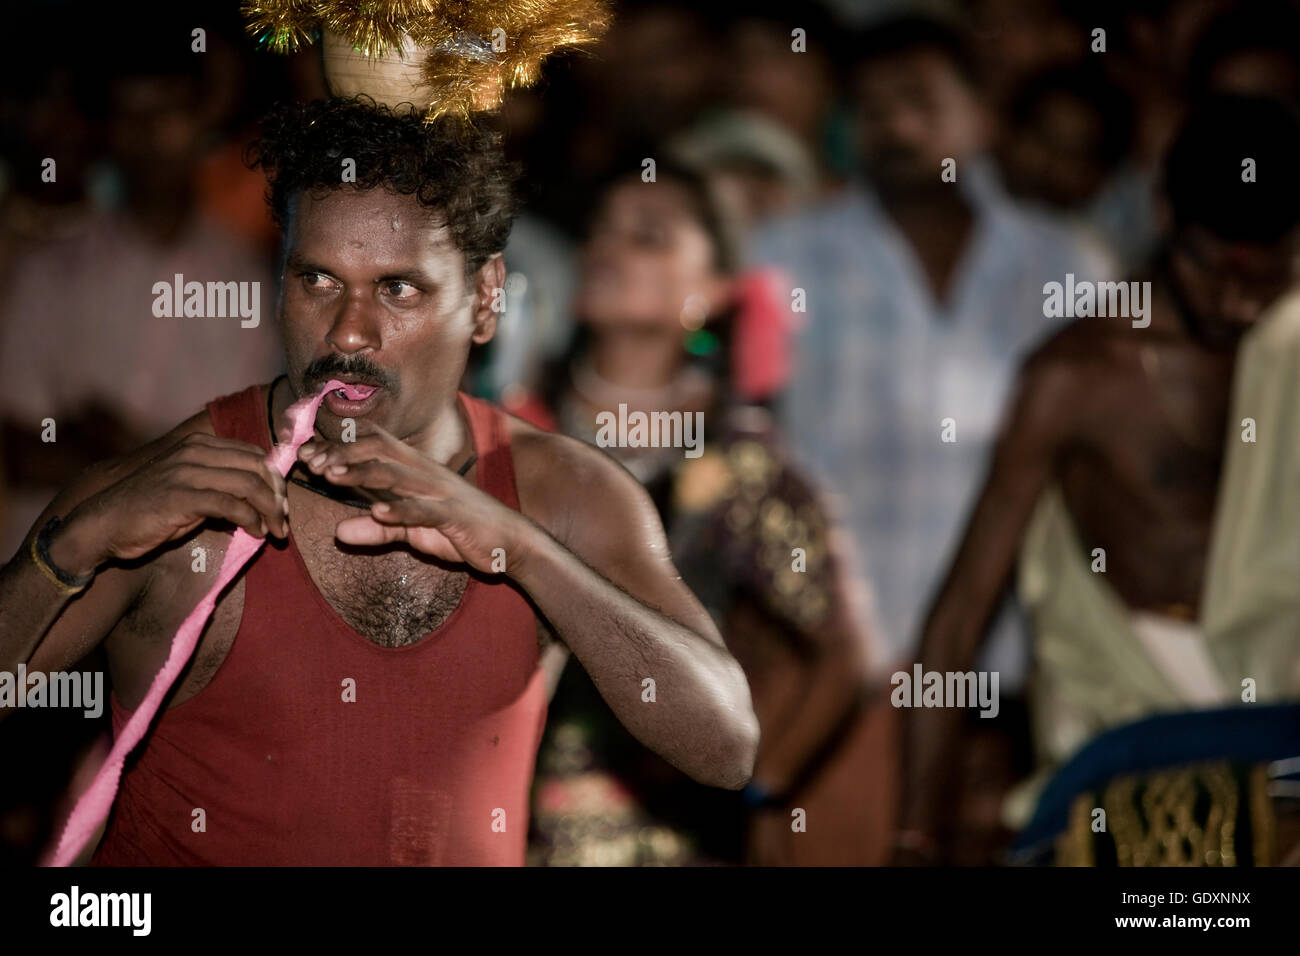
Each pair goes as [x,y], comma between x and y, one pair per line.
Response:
[668,324]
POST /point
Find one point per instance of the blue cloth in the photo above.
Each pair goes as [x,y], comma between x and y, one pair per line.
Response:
[880,364]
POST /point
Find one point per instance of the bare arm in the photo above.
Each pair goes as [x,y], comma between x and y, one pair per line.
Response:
[611,592]
[38,616]
[116,516]
[1032,434]
[700,718]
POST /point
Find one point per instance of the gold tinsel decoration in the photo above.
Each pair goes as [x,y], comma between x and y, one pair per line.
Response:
[473,50]
[285,26]
[375,27]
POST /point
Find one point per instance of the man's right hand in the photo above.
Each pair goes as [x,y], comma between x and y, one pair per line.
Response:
[199,477]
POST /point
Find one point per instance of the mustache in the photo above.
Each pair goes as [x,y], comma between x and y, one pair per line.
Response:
[321,370]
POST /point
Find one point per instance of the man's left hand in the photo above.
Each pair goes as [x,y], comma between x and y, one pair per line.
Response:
[436,511]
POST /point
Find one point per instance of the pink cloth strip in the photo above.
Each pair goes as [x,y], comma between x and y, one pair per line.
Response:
[94,805]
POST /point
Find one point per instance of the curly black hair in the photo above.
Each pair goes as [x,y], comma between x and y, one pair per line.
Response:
[454,168]
[1203,169]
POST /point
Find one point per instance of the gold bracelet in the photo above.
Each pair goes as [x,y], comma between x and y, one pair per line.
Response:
[55,577]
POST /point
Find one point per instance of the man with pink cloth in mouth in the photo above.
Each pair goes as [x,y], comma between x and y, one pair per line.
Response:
[371,689]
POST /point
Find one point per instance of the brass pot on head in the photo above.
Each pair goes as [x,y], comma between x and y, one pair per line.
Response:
[470,80]
[393,78]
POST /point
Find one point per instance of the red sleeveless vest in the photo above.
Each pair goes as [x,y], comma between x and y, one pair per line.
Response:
[430,765]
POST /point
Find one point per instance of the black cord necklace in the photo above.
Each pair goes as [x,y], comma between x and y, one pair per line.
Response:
[326,490]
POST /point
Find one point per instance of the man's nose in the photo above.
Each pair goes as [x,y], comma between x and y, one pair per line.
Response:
[356,325]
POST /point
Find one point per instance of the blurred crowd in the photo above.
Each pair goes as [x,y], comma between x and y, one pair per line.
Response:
[828,227]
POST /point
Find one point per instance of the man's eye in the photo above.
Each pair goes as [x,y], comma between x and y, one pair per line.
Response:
[314,280]
[401,290]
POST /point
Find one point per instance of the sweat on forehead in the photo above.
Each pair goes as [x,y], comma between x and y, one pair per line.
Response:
[372,229]
[379,210]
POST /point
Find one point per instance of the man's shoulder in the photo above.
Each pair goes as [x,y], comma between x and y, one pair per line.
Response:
[547,457]
[1085,353]
[560,479]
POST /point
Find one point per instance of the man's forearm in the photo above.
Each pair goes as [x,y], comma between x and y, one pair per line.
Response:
[933,741]
[699,718]
[933,734]
[29,604]
[32,602]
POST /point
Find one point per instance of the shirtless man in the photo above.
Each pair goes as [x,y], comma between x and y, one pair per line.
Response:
[1129,422]
[385,285]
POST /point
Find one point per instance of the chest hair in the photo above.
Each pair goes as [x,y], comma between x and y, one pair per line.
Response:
[391,600]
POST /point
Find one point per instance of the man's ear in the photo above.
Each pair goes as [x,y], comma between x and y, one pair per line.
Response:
[490,297]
